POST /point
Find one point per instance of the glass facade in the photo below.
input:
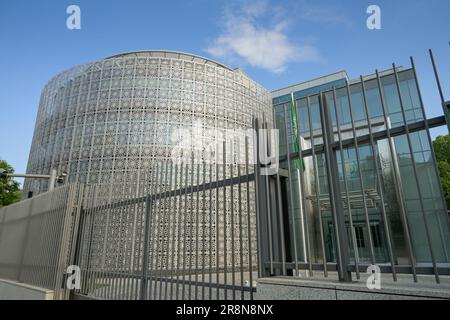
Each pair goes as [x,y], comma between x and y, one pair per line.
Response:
[388,185]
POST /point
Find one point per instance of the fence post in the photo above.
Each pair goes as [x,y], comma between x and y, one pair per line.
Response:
[77,232]
[342,244]
[143,286]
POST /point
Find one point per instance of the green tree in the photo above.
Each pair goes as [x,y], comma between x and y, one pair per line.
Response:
[9,189]
[442,149]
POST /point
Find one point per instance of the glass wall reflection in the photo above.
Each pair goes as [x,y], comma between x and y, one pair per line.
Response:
[382,196]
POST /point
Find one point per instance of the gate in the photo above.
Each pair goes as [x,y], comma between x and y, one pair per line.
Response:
[37,236]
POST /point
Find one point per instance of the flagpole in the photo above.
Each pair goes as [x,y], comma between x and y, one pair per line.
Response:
[297,143]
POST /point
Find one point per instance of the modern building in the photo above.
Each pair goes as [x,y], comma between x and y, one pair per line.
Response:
[114,123]
[106,122]
[109,123]
[387,180]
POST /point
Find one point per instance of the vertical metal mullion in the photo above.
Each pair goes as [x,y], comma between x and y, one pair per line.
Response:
[217,224]
[135,288]
[175,223]
[396,175]
[427,231]
[137,245]
[149,239]
[233,276]
[197,222]
[291,197]
[256,170]
[342,245]
[154,229]
[63,249]
[380,189]
[316,177]
[169,214]
[241,245]
[203,230]
[186,179]
[281,225]
[161,227]
[438,84]
[126,210]
[105,208]
[430,142]
[145,239]
[129,272]
[145,261]
[269,215]
[225,221]
[302,199]
[111,240]
[191,218]
[123,273]
[249,226]
[179,231]
[210,231]
[279,216]
[344,173]
[90,213]
[363,192]
[445,106]
[82,238]
[118,240]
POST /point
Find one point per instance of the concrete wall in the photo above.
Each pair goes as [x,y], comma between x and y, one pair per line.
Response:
[12,290]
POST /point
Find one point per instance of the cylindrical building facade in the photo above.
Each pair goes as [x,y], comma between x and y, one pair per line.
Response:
[106,122]
[109,123]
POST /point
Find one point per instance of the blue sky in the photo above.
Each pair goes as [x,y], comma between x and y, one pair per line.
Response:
[278,43]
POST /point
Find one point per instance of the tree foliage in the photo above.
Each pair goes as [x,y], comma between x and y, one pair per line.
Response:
[9,189]
[442,149]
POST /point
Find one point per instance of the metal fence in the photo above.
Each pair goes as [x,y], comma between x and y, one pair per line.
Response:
[36,236]
[368,192]
[191,234]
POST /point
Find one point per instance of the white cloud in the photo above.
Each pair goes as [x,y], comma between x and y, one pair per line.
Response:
[252,34]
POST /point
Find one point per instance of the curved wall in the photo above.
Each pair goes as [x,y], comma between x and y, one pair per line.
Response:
[109,121]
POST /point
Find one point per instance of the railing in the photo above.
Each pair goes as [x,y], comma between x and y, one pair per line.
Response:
[398,221]
[191,235]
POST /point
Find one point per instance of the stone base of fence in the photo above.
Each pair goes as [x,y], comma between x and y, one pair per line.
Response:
[289,288]
[12,290]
